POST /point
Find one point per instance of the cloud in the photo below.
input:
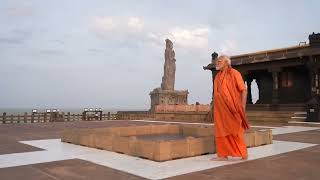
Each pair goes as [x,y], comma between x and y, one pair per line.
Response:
[105,25]
[20,11]
[15,41]
[120,32]
[52,52]
[228,46]
[132,34]
[95,50]
[135,23]
[186,38]
[16,37]
[193,38]
[58,41]
[102,25]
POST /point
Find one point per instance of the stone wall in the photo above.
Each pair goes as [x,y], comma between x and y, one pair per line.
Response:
[164,116]
[182,108]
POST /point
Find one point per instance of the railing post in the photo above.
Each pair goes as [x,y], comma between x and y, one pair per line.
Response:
[18,118]
[39,117]
[109,116]
[68,116]
[62,114]
[50,117]
[4,118]
[32,118]
[45,117]
[25,117]
[11,119]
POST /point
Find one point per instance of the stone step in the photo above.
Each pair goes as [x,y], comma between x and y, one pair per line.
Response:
[299,119]
[266,119]
[275,116]
[281,107]
[300,113]
[271,115]
[276,112]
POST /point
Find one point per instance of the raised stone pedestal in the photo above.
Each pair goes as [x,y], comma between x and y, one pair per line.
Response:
[158,142]
[170,97]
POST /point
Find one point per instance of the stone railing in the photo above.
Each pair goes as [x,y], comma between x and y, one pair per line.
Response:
[49,117]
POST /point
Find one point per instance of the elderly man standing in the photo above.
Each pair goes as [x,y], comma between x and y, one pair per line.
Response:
[230,122]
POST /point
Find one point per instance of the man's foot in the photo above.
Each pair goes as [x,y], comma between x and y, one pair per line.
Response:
[245,158]
[219,159]
[238,158]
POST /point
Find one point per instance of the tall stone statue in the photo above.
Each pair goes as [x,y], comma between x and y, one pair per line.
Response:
[166,94]
[168,77]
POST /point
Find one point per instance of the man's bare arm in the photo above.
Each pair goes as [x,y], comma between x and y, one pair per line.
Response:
[244,98]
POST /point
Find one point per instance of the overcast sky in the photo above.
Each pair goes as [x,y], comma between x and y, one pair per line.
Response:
[110,54]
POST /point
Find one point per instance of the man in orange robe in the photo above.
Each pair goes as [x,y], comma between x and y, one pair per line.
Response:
[230,122]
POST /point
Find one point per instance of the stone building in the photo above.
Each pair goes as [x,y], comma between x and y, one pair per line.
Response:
[287,78]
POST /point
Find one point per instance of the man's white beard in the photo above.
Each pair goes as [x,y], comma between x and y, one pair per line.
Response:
[218,68]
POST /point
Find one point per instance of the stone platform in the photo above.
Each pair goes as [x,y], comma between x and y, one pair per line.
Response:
[158,142]
[168,97]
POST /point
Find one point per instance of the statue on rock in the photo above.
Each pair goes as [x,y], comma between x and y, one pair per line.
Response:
[168,77]
[166,94]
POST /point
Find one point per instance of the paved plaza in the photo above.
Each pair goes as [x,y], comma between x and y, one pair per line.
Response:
[34,151]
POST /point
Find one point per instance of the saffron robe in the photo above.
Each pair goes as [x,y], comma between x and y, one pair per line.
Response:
[229,115]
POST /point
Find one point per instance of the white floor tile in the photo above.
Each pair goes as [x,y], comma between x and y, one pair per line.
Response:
[55,150]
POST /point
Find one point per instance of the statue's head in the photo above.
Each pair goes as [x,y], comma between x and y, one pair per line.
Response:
[169,44]
[214,55]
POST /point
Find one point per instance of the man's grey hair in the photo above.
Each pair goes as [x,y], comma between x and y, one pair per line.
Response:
[226,58]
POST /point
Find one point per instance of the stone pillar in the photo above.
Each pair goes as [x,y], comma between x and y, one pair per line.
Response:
[314,77]
[313,104]
[317,82]
[259,90]
[275,86]
[249,80]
